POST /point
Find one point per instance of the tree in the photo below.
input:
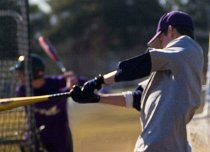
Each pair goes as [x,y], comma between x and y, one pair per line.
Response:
[94,27]
[121,22]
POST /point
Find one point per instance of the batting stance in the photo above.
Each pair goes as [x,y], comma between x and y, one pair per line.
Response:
[51,117]
[171,94]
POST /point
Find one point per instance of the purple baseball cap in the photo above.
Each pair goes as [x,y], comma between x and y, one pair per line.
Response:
[173,18]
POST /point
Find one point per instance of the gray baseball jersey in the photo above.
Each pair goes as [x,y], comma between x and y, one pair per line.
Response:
[171,96]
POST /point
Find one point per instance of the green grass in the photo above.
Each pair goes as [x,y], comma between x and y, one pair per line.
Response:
[103,128]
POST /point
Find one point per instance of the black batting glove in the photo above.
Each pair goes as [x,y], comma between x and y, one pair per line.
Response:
[137,97]
[83,97]
[76,94]
[94,84]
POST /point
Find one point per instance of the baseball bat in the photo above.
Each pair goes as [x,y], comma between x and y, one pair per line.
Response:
[10,103]
[50,50]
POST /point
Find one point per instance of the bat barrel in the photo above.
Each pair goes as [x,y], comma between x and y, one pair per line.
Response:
[10,103]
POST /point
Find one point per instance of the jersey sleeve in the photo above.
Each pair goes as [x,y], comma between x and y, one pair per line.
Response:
[166,59]
[134,68]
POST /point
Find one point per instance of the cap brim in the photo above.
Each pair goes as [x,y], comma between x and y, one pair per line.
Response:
[155,42]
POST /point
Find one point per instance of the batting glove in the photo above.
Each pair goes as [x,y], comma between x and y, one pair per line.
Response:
[93,84]
[83,97]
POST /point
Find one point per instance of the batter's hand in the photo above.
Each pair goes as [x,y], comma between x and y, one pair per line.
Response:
[93,84]
[71,79]
[78,95]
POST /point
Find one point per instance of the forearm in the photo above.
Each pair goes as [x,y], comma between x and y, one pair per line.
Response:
[109,78]
[125,99]
[113,99]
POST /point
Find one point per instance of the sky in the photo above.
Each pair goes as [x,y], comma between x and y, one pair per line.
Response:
[42,5]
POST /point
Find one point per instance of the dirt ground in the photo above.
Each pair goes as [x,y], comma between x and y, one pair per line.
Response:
[103,128]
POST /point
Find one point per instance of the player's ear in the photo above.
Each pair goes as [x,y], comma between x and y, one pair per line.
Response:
[170,31]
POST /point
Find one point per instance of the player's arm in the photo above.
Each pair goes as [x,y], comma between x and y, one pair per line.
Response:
[130,99]
[71,79]
[130,69]
[113,99]
[142,65]
[109,78]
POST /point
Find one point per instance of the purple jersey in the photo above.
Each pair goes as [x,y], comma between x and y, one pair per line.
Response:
[51,116]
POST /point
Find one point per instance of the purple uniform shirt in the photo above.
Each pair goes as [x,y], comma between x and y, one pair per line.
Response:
[51,116]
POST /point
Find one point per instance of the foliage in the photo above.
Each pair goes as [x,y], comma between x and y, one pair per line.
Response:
[118,23]
[117,29]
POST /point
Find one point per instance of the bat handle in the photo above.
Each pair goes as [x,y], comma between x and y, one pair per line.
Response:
[58,95]
[61,66]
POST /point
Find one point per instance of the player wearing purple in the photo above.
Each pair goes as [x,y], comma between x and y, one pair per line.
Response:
[172,92]
[51,117]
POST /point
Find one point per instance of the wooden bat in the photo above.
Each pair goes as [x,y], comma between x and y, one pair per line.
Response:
[10,103]
[50,50]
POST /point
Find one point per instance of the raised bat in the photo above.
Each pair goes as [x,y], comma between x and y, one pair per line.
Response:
[50,50]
